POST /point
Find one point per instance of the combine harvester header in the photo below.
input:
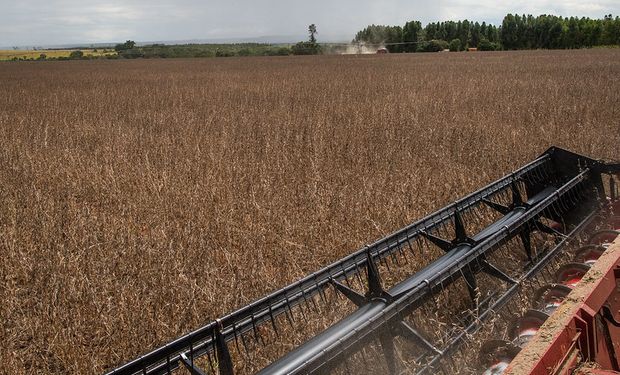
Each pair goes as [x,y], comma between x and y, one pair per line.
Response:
[450,287]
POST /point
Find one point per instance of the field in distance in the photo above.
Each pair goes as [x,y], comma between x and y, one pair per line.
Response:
[141,199]
[10,54]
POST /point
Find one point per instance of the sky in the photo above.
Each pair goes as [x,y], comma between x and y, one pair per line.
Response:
[60,22]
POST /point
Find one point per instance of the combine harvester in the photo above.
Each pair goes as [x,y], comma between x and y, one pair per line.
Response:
[518,277]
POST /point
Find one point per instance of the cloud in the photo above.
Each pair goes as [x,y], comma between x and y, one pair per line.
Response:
[494,11]
[49,22]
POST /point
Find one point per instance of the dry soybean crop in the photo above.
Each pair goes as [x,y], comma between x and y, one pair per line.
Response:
[141,199]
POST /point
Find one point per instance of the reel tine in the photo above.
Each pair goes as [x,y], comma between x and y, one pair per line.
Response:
[521,207]
[273,321]
[224,360]
[245,347]
[234,329]
[303,314]
[255,329]
[389,351]
[290,311]
[320,289]
[346,278]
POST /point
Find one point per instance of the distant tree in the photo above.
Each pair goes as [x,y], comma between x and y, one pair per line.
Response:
[394,36]
[283,51]
[455,45]
[311,47]
[434,45]
[486,45]
[76,55]
[493,34]
[516,32]
[312,31]
[223,53]
[130,44]
[133,53]
[611,30]
[509,33]
[475,34]
[305,48]
[389,35]
[412,34]
[464,32]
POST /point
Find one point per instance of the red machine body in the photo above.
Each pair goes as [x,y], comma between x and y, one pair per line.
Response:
[583,335]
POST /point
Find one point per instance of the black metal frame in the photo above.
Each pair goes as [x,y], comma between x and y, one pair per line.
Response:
[554,166]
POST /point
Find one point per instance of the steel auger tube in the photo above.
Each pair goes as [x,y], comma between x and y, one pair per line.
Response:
[167,357]
[361,326]
[552,168]
[508,294]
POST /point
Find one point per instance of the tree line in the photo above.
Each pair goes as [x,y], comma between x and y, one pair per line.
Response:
[515,32]
[130,50]
[201,50]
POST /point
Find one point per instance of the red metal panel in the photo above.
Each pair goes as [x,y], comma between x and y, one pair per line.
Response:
[577,330]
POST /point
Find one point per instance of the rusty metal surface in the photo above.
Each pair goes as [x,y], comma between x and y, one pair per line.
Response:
[578,326]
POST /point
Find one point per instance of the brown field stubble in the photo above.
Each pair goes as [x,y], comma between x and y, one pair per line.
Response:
[141,199]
